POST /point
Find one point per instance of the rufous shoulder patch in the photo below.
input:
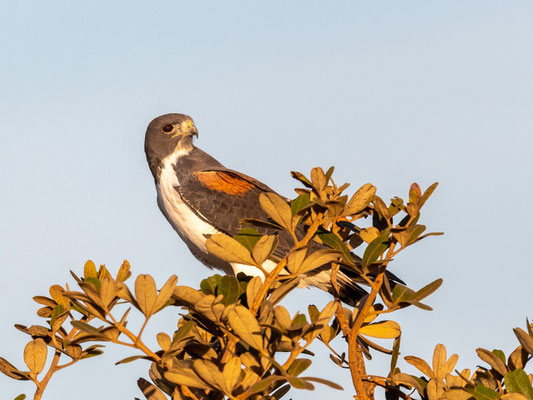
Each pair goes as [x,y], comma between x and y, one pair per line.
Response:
[226,182]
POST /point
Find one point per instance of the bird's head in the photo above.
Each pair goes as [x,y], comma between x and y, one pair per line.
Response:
[168,133]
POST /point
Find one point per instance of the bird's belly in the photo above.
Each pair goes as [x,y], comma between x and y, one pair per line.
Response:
[185,221]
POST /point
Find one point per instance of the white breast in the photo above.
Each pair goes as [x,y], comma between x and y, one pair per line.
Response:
[187,223]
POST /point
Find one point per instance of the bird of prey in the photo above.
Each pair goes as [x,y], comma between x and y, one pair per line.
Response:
[200,197]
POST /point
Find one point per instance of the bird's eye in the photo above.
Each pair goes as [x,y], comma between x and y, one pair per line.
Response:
[168,128]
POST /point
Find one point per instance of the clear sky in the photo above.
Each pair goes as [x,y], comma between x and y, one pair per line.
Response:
[389,92]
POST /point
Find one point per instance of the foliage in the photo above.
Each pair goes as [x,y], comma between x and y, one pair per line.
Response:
[235,340]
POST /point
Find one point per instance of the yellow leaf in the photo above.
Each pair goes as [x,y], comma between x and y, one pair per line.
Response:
[209,372]
[277,208]
[166,292]
[246,326]
[360,200]
[231,372]
[89,270]
[228,249]
[35,354]
[382,330]
[264,248]
[369,234]
[146,294]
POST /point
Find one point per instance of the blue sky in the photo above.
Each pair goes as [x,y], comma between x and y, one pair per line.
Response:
[388,92]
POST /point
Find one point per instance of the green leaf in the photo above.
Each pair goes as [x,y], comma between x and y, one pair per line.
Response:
[298,366]
[395,354]
[300,383]
[20,397]
[335,242]
[360,200]
[244,324]
[484,393]
[230,289]
[209,285]
[427,290]
[299,203]
[35,354]
[517,381]
[146,294]
[248,237]
[375,249]
[277,208]
[84,327]
[228,249]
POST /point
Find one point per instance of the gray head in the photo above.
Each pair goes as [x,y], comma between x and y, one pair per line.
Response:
[166,134]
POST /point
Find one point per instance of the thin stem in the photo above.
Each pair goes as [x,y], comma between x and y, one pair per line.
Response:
[138,343]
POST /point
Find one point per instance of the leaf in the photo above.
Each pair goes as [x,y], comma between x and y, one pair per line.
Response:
[360,200]
[165,293]
[421,365]
[253,288]
[439,361]
[300,383]
[382,330]
[298,366]
[129,359]
[228,249]
[209,372]
[246,326]
[513,396]
[124,271]
[318,178]
[429,191]
[301,177]
[210,284]
[525,340]
[260,223]
[164,341]
[493,360]
[231,373]
[317,259]
[375,249]
[517,381]
[56,292]
[230,289]
[415,193]
[150,391]
[82,326]
[299,203]
[248,237]
[264,383]
[20,397]
[10,370]
[323,382]
[409,380]
[186,377]
[369,234]
[381,207]
[264,248]
[484,393]
[277,208]
[146,294]
[89,270]
[395,354]
[335,242]
[108,291]
[427,290]
[35,354]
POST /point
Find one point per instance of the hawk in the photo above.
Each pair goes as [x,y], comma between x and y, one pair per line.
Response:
[199,197]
